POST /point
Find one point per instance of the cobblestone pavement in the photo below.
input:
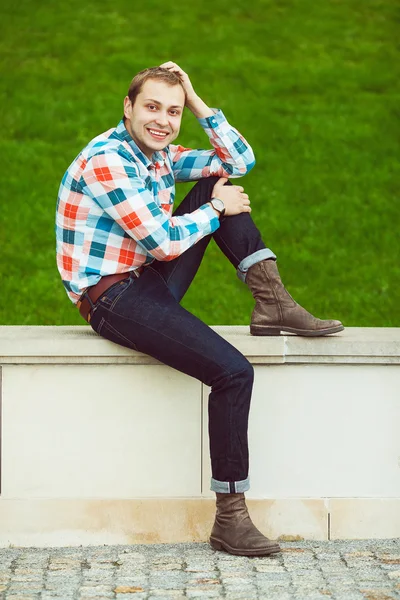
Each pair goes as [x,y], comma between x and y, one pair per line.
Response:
[311,570]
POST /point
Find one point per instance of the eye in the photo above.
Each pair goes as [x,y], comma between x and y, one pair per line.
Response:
[151,106]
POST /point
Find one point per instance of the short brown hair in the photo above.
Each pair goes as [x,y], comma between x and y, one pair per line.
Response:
[158,73]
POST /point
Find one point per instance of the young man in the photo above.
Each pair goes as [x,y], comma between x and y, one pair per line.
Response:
[126,261]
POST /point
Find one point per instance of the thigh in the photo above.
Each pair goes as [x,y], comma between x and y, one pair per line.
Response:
[179,273]
[142,314]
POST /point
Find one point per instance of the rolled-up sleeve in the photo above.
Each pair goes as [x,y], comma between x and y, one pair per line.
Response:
[232,155]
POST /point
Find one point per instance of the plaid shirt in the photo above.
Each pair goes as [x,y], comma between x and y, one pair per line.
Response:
[114,207]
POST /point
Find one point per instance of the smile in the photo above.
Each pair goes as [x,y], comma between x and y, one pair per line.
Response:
[157,134]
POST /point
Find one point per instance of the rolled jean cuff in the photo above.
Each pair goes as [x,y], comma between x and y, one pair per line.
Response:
[251,260]
[230,487]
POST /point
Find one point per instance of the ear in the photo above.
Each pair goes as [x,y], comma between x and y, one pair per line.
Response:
[127,107]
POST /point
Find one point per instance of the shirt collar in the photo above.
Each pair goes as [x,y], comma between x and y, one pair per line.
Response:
[124,135]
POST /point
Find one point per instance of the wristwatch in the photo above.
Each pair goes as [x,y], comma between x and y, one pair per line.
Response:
[218,205]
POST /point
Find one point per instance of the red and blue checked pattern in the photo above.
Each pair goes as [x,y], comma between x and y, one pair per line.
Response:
[114,207]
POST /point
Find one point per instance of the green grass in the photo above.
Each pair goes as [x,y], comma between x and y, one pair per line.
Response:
[314,88]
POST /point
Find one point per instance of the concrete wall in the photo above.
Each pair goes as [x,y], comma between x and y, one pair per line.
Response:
[100,444]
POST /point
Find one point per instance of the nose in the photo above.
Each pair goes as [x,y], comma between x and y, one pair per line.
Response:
[162,120]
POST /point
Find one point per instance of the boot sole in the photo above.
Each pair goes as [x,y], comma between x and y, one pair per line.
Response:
[264,330]
[220,545]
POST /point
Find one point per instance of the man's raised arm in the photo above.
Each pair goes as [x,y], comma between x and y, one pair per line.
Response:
[232,155]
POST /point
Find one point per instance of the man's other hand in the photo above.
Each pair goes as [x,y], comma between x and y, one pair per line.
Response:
[233,196]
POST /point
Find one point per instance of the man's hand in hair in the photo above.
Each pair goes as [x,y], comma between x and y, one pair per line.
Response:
[191,95]
[193,102]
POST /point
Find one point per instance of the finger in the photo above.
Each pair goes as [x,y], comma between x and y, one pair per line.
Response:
[173,66]
[169,67]
[177,71]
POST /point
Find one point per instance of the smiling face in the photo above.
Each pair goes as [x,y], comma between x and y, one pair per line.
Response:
[155,118]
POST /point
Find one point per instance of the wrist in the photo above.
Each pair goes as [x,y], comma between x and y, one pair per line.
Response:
[217,212]
[199,108]
[218,205]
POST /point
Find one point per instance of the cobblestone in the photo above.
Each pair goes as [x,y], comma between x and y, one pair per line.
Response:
[339,570]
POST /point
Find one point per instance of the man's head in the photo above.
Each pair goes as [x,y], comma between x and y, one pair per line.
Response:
[155,102]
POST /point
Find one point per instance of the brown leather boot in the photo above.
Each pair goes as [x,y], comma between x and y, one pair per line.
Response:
[275,309]
[235,532]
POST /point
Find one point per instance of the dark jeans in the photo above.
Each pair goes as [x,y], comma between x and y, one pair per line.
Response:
[144,314]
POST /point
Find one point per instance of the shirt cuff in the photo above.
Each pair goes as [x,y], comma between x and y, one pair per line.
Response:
[213,219]
[214,120]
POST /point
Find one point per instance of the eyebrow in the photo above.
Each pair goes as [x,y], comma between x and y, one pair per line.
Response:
[157,102]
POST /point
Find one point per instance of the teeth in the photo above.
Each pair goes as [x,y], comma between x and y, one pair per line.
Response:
[157,133]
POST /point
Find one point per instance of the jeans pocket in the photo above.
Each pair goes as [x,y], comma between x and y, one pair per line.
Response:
[114,292]
[107,331]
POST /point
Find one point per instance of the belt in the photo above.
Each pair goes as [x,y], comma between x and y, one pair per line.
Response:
[95,291]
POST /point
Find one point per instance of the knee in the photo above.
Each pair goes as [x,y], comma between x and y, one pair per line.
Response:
[247,371]
[237,373]
[209,182]
[244,371]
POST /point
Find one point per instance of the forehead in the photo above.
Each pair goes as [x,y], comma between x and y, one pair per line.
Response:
[163,93]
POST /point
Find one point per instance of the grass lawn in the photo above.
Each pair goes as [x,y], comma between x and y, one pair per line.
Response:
[313,86]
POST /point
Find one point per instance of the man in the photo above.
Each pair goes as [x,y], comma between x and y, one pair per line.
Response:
[126,261]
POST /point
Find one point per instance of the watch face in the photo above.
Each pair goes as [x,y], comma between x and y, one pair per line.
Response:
[218,204]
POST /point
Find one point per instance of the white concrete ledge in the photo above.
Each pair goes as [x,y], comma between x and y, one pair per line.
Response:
[101,444]
[78,345]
